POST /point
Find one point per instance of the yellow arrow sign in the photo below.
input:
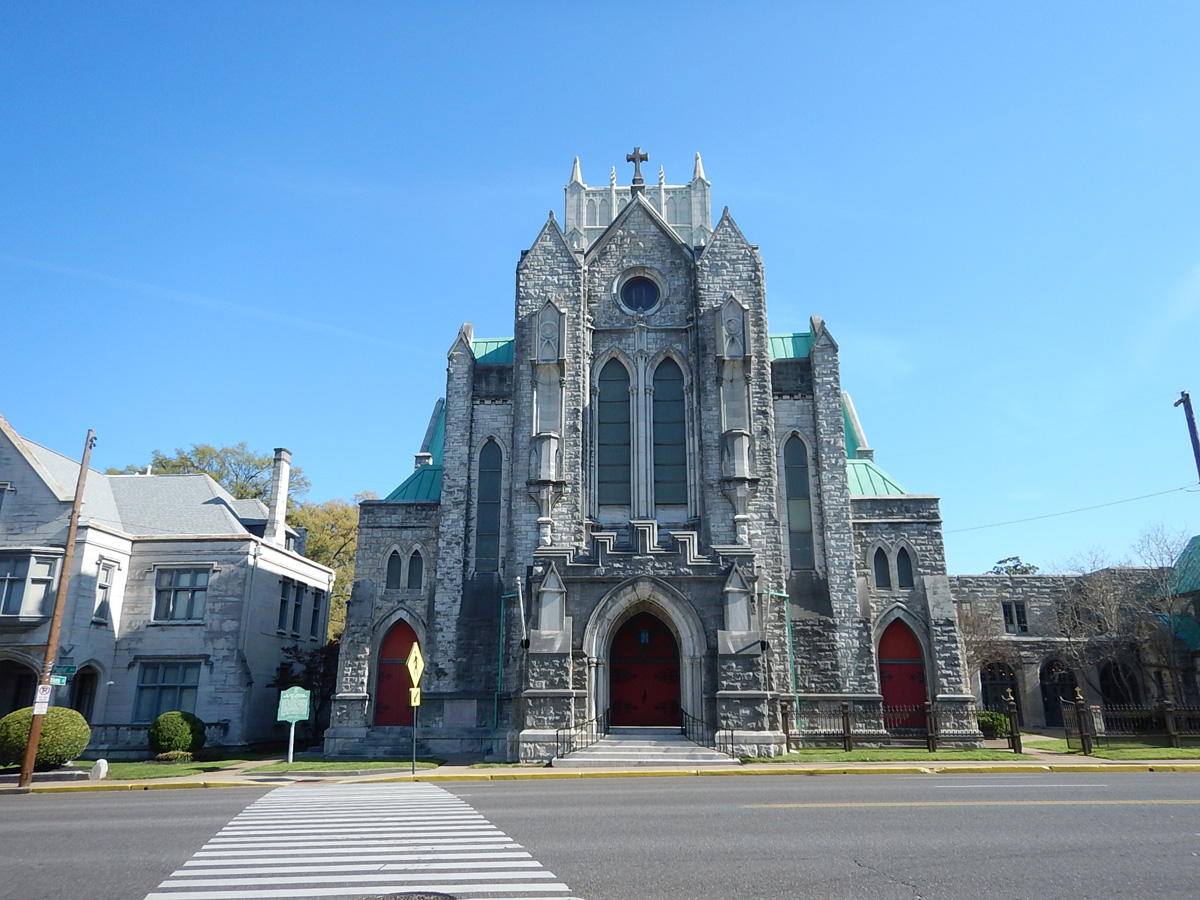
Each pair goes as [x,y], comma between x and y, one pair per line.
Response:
[416,664]
[414,696]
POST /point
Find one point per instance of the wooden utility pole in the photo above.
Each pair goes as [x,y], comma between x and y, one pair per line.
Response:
[1185,400]
[42,700]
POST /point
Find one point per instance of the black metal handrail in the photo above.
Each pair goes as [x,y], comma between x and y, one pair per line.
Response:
[700,732]
[583,734]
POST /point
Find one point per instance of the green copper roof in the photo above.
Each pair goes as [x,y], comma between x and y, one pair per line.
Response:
[425,484]
[422,486]
[493,351]
[791,346]
[1187,568]
[851,438]
[868,480]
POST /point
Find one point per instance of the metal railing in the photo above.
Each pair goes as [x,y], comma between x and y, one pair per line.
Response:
[584,734]
[701,732]
[1159,724]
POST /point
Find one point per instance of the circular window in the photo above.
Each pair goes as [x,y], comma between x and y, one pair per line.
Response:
[639,293]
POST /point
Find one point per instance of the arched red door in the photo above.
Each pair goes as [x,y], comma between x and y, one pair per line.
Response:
[901,667]
[644,674]
[392,680]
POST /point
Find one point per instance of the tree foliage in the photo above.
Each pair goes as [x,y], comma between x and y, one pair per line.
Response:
[1012,565]
[332,541]
[315,669]
[240,470]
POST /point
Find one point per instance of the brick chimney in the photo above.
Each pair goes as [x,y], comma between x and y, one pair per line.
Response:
[281,471]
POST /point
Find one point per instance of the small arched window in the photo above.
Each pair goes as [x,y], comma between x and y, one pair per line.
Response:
[613,436]
[799,504]
[416,571]
[670,438]
[487,519]
[883,574]
[904,569]
[393,570]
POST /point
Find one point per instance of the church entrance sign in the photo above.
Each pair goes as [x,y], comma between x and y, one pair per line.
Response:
[644,674]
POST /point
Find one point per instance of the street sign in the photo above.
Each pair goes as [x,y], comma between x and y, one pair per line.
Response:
[293,705]
[416,664]
[43,693]
[58,679]
[414,696]
[64,670]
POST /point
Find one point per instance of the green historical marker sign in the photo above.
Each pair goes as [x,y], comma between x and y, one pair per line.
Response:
[293,705]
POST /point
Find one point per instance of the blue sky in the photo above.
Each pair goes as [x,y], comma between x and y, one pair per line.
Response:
[265,222]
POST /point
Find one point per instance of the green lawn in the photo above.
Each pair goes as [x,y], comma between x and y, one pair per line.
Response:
[824,754]
[1120,749]
[137,770]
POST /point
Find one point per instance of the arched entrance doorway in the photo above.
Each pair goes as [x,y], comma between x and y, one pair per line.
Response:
[83,691]
[644,673]
[17,683]
[392,681]
[995,680]
[1058,684]
[902,676]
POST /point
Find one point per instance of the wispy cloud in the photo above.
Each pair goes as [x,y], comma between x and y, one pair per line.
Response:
[185,298]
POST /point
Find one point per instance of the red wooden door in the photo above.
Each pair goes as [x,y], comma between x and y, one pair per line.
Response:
[392,680]
[644,674]
[902,672]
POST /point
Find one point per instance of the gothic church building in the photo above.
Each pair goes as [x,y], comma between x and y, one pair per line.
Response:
[644,504]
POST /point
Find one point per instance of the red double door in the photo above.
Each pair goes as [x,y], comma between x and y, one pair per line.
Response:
[644,674]
[392,681]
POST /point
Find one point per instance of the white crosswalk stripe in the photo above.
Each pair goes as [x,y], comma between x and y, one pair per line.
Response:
[363,840]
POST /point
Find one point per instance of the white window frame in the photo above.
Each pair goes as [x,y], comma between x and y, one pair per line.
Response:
[196,615]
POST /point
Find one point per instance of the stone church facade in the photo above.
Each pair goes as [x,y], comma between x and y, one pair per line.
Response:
[643,504]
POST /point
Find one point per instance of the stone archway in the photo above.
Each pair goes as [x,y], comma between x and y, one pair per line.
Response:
[676,615]
[392,681]
[644,674]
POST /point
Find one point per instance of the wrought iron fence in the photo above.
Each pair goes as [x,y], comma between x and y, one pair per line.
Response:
[859,722]
[584,734]
[1159,725]
[701,732]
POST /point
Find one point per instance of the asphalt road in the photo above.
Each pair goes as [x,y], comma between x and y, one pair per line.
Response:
[106,845]
[883,837]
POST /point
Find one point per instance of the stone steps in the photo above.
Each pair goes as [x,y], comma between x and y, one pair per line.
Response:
[644,747]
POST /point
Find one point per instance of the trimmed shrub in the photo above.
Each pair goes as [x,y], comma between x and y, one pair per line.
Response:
[992,722]
[65,735]
[176,730]
[174,756]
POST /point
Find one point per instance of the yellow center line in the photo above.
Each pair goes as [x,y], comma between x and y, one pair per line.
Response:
[972,803]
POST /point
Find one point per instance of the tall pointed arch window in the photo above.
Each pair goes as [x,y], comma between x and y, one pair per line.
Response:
[416,571]
[394,565]
[613,436]
[670,437]
[883,572]
[487,503]
[799,504]
[904,569]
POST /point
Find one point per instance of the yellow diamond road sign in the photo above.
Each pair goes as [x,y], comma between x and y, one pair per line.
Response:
[416,664]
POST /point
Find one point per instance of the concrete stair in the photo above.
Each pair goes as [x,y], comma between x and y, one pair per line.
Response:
[625,747]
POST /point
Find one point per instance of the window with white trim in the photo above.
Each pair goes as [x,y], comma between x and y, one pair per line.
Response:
[285,604]
[166,686]
[179,594]
[314,624]
[104,580]
[298,593]
[26,583]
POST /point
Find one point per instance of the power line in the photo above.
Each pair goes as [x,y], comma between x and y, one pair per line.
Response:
[1070,511]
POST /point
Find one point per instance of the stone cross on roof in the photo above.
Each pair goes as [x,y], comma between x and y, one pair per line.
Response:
[637,157]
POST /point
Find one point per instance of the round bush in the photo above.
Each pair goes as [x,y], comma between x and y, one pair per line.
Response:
[65,735]
[992,722]
[176,730]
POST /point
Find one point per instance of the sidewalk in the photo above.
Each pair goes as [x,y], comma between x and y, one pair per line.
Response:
[1033,761]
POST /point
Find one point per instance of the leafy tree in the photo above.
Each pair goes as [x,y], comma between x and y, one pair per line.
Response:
[315,669]
[240,470]
[1012,565]
[332,541]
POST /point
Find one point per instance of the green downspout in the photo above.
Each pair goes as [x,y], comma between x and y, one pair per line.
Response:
[499,673]
[787,606]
